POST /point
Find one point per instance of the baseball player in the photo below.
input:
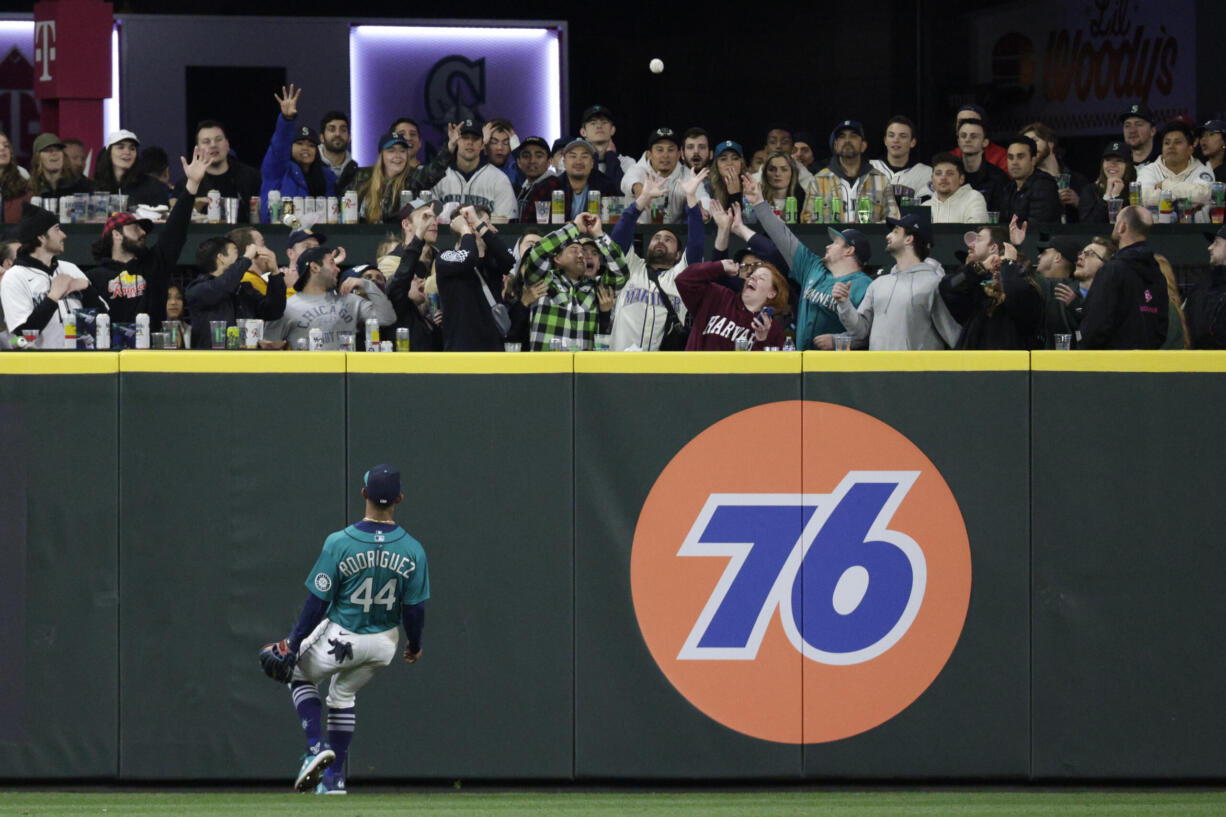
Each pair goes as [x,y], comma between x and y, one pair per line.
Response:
[370,577]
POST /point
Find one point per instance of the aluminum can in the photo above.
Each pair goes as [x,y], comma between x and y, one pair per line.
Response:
[402,339]
[142,330]
[321,207]
[65,212]
[253,332]
[1134,193]
[300,206]
[70,331]
[593,202]
[230,207]
[432,301]
[102,331]
[372,333]
[385,346]
[836,209]
[213,214]
[557,210]
[253,210]
[334,210]
[316,337]
[349,208]
[789,210]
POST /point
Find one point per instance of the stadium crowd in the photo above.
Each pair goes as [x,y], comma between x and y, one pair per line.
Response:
[570,284]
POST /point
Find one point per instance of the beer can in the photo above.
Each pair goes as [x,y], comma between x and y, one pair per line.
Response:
[557,210]
[233,339]
[593,202]
[102,331]
[230,207]
[65,212]
[789,210]
[142,330]
[334,210]
[213,214]
[432,302]
[253,333]
[70,331]
[317,339]
[402,339]
[406,198]
[253,210]
[372,332]
[300,206]
[345,341]
[385,346]
[321,207]
[1134,193]
[287,207]
[308,204]
[349,208]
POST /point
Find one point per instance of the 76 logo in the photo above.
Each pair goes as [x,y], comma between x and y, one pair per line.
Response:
[847,587]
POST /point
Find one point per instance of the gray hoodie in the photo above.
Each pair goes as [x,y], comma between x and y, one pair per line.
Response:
[902,311]
[333,313]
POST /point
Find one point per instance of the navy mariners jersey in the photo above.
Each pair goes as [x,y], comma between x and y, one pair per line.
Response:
[367,577]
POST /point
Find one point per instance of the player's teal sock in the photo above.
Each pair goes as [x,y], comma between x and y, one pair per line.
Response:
[310,710]
[340,732]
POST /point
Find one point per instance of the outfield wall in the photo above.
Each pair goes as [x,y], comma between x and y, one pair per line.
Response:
[161,511]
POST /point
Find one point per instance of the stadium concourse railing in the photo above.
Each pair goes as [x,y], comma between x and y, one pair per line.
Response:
[161,511]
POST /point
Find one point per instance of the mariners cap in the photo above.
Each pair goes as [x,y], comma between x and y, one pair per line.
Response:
[596,112]
[1068,247]
[470,127]
[298,236]
[305,133]
[382,484]
[854,238]
[118,220]
[846,124]
[1214,126]
[1139,111]
[728,145]
[1119,149]
[117,136]
[388,140]
[919,224]
[662,135]
[47,140]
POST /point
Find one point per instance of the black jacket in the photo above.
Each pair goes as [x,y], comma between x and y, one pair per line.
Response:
[994,184]
[226,297]
[140,189]
[1037,201]
[468,325]
[1127,305]
[141,284]
[240,181]
[1014,323]
[424,336]
[1206,311]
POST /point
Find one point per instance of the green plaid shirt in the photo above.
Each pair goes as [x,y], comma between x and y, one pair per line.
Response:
[569,309]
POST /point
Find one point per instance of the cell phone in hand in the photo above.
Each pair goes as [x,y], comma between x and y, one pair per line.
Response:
[767,312]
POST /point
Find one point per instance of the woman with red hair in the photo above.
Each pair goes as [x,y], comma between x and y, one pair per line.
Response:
[723,317]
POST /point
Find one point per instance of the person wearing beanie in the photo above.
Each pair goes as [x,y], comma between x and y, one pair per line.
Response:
[40,291]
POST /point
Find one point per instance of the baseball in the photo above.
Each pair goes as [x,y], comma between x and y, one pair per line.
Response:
[656,65]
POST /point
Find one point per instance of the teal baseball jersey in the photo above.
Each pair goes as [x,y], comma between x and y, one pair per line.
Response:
[367,577]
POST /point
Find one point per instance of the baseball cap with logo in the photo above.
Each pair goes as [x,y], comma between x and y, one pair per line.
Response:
[662,135]
[1139,111]
[919,224]
[47,140]
[532,140]
[117,136]
[382,485]
[595,112]
[470,127]
[392,139]
[416,204]
[304,133]
[1119,149]
[1214,126]
[298,236]
[854,238]
[728,145]
[846,124]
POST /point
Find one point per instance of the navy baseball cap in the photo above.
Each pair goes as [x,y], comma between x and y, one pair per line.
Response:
[1066,245]
[1119,149]
[846,124]
[1139,111]
[304,133]
[594,112]
[727,145]
[311,255]
[388,140]
[470,127]
[854,238]
[302,235]
[1214,126]
[382,484]
[919,224]
[532,140]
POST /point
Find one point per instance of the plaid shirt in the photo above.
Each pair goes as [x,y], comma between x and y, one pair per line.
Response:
[569,309]
[874,183]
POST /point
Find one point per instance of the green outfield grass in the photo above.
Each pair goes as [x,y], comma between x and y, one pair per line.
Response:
[517,803]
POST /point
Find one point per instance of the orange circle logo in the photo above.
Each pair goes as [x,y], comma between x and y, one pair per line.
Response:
[801,572]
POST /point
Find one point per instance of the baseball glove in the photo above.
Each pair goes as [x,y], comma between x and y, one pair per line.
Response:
[278,660]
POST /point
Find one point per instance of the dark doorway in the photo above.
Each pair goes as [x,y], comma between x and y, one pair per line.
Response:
[241,98]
